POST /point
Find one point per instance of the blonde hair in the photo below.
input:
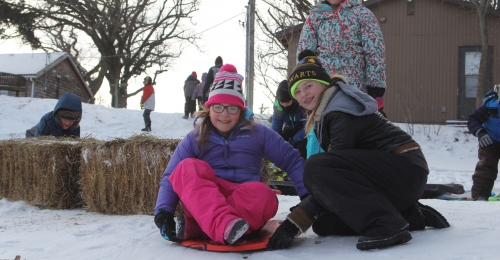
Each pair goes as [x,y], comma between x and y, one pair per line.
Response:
[206,126]
[312,114]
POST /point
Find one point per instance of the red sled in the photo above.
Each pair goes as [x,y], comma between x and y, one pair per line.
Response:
[258,240]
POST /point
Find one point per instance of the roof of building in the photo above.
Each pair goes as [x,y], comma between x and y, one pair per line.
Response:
[33,65]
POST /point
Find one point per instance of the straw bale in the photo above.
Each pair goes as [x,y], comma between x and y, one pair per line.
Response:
[266,171]
[41,171]
[122,176]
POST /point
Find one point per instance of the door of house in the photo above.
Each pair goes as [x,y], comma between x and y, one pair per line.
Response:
[468,74]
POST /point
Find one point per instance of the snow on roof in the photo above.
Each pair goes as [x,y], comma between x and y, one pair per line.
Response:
[33,64]
[28,64]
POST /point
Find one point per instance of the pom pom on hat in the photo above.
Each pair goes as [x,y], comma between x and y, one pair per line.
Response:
[227,88]
[228,68]
[306,53]
[194,74]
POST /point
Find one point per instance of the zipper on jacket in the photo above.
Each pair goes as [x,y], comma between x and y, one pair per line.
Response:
[226,144]
[225,147]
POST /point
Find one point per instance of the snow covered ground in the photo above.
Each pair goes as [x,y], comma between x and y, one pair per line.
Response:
[35,233]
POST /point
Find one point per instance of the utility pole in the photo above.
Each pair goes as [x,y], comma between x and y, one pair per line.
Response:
[249,66]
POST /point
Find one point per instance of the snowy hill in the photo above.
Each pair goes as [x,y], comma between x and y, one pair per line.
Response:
[35,233]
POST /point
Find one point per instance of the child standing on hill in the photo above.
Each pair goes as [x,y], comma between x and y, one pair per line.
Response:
[216,171]
[364,174]
[211,74]
[484,123]
[189,86]
[148,102]
[347,38]
[198,92]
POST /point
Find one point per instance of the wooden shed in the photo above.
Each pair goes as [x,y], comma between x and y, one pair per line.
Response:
[41,75]
[432,57]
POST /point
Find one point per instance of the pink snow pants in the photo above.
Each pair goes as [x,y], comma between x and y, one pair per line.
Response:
[212,202]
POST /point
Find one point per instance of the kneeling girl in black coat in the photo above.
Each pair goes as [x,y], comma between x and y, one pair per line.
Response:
[363,173]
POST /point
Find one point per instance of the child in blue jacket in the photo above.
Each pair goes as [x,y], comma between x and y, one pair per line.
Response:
[64,120]
[484,123]
[289,119]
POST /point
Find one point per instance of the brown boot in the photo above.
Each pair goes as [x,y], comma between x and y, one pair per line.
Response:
[304,215]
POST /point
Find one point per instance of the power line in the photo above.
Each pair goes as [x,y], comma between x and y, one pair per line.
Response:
[219,24]
[193,35]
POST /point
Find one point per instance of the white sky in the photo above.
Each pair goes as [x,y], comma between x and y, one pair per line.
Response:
[227,40]
[34,233]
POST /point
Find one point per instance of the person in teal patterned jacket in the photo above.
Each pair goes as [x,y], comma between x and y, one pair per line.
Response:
[347,38]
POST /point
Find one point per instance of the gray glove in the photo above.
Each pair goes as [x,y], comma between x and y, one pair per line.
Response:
[484,139]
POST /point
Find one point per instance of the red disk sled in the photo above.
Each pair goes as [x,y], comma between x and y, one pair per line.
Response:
[256,241]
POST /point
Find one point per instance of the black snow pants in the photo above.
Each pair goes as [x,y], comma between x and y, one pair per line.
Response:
[189,107]
[364,192]
[486,170]
[147,117]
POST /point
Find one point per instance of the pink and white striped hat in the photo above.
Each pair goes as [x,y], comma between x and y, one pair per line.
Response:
[227,88]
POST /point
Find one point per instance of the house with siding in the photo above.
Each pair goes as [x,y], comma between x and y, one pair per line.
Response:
[433,48]
[41,75]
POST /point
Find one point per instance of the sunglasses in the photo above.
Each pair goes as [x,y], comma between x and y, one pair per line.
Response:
[232,110]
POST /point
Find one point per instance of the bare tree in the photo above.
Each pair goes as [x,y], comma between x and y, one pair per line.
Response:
[23,21]
[275,16]
[131,36]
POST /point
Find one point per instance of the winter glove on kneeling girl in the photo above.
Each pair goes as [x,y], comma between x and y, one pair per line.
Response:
[298,221]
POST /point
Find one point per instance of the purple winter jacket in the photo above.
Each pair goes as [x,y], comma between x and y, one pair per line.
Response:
[237,159]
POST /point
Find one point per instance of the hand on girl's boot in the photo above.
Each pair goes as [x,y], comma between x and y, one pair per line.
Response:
[165,222]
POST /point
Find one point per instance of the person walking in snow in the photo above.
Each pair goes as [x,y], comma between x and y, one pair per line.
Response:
[189,86]
[484,124]
[216,171]
[364,174]
[63,121]
[212,72]
[148,102]
[347,38]
[198,92]
[289,119]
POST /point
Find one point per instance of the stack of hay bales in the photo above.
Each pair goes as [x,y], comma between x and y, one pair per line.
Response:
[119,176]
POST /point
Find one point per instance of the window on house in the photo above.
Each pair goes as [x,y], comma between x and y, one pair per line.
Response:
[472,59]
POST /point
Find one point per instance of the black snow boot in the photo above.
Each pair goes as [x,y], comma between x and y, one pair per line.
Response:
[432,217]
[367,243]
